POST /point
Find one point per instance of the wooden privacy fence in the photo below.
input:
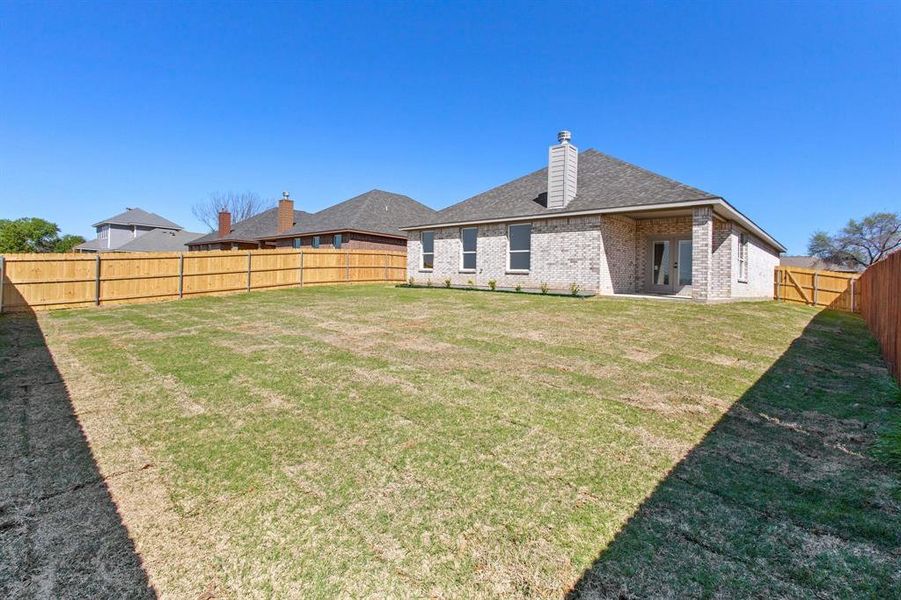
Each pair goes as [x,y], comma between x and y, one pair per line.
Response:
[830,289]
[881,307]
[49,281]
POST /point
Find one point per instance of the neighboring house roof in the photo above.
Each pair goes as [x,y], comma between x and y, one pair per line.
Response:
[157,240]
[814,262]
[251,229]
[375,211]
[160,240]
[90,246]
[137,216]
[605,184]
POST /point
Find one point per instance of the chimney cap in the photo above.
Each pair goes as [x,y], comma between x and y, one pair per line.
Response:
[564,136]
[286,196]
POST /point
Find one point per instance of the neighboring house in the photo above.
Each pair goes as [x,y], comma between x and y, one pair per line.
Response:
[368,221]
[817,263]
[600,223]
[137,230]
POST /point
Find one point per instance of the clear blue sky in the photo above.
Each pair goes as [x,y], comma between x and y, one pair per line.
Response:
[792,112]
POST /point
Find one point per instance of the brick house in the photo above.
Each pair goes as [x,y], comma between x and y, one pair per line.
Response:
[603,224]
[369,221]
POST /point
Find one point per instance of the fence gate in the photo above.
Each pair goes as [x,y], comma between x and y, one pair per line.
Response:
[829,289]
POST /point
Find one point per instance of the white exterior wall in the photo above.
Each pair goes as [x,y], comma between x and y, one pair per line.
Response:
[564,251]
[762,263]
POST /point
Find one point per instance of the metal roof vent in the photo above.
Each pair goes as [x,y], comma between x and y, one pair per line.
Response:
[562,171]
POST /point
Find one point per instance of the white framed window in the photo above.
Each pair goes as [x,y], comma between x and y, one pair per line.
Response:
[337,240]
[743,257]
[519,247]
[468,240]
[427,258]
[296,242]
[315,242]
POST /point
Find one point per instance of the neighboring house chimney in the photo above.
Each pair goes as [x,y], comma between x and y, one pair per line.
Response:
[562,171]
[225,223]
[285,213]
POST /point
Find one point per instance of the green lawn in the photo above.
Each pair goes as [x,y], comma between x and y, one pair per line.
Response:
[374,441]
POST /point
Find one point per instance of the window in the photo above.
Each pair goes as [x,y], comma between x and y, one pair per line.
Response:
[337,240]
[428,250]
[519,242]
[297,242]
[468,236]
[743,257]
[315,241]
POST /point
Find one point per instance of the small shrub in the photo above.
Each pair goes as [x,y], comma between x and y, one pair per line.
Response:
[518,287]
[428,282]
[574,288]
[447,282]
[492,284]
[411,281]
[544,287]
[470,283]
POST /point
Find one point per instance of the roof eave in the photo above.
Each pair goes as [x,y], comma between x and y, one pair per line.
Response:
[290,234]
[734,213]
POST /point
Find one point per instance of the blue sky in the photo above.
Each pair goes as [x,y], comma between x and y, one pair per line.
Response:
[791,111]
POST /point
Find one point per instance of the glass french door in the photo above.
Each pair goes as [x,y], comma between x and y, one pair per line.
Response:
[661,266]
[670,266]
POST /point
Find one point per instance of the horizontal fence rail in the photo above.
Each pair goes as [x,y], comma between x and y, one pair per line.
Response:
[881,307]
[829,289]
[50,281]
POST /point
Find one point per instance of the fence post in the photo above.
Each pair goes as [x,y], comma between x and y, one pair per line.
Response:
[249,257]
[181,274]
[852,294]
[97,280]
[301,268]
[386,266]
[815,288]
[347,265]
[2,277]
[779,296]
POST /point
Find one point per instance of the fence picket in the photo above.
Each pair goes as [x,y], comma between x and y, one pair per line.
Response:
[31,282]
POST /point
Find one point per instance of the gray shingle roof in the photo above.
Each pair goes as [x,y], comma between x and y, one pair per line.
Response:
[157,240]
[137,216]
[160,240]
[90,245]
[252,229]
[375,211]
[604,182]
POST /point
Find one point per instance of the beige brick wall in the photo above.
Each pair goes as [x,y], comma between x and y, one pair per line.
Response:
[618,255]
[604,254]
[564,251]
[762,262]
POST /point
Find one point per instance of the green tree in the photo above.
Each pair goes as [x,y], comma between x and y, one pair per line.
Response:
[30,234]
[67,242]
[859,242]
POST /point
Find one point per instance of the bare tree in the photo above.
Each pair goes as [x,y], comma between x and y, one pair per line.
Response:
[241,205]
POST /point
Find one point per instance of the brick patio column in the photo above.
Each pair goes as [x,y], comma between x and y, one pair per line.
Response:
[701,245]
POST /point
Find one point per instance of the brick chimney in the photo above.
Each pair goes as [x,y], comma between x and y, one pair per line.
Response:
[285,214]
[225,223]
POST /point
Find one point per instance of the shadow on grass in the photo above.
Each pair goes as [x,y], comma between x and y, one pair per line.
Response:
[782,497]
[60,533]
